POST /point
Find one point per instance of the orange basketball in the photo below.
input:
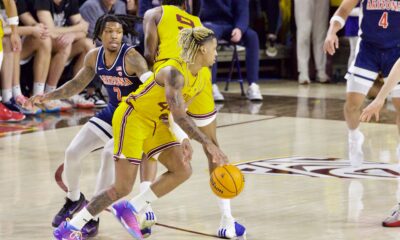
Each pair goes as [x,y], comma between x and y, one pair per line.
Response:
[227,181]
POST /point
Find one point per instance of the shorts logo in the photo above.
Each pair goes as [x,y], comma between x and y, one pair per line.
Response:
[321,167]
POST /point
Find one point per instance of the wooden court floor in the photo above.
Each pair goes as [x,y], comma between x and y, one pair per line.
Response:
[291,147]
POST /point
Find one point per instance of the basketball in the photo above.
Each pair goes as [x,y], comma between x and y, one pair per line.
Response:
[227,181]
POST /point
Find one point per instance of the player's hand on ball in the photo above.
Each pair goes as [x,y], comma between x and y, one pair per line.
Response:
[216,154]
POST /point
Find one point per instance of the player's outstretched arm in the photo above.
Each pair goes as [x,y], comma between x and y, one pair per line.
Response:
[336,23]
[173,82]
[375,106]
[136,64]
[75,85]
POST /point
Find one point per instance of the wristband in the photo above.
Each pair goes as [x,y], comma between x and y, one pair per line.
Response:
[145,76]
[179,133]
[338,19]
[13,21]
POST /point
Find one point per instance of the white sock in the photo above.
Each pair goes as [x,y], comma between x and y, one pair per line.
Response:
[225,207]
[74,195]
[81,218]
[16,91]
[6,94]
[141,201]
[144,186]
[38,88]
[354,133]
[49,88]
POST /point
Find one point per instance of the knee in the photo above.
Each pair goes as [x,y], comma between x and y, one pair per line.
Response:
[350,106]
[45,45]
[71,154]
[251,37]
[88,45]
[185,172]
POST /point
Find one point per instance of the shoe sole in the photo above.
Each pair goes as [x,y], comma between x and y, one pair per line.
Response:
[131,232]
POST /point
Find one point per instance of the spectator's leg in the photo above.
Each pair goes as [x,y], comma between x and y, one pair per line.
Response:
[271,7]
[7,70]
[57,65]
[79,50]
[319,29]
[41,63]
[303,16]
[250,41]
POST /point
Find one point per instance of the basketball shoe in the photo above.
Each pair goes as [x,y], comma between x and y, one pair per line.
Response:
[126,215]
[356,155]
[147,220]
[91,228]
[394,219]
[6,115]
[68,210]
[67,232]
[229,228]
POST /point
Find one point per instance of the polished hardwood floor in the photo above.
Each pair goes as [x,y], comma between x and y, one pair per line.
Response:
[292,148]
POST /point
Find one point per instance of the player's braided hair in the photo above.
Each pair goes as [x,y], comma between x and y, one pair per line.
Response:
[191,39]
[127,21]
[173,2]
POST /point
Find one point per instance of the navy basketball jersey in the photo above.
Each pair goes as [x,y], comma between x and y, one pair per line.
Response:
[115,79]
[379,22]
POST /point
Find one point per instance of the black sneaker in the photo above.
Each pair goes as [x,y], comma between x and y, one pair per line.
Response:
[97,99]
[68,210]
[271,50]
[91,229]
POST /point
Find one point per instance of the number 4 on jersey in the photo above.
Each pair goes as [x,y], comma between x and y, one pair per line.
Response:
[383,22]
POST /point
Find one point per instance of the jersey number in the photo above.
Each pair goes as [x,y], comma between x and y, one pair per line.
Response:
[118,92]
[383,22]
[185,21]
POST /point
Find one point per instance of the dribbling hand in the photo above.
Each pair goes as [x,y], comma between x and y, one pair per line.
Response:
[217,156]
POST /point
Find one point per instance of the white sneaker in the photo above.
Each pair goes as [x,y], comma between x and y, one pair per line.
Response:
[322,77]
[146,220]
[304,79]
[217,94]
[230,229]
[253,92]
[79,101]
[64,106]
[394,219]
[356,155]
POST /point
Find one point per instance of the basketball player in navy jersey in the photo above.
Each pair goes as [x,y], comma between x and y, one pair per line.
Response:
[118,66]
[377,51]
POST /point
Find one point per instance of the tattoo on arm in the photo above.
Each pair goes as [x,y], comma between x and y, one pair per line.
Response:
[74,86]
[102,201]
[176,104]
[136,64]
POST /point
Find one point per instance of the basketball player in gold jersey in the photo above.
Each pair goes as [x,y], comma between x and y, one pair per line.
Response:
[161,28]
[139,127]
[13,21]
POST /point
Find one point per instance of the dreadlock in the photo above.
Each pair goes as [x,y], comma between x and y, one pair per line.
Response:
[173,2]
[127,21]
[191,39]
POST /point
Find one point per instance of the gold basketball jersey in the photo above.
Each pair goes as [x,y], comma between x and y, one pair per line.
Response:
[149,99]
[172,21]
